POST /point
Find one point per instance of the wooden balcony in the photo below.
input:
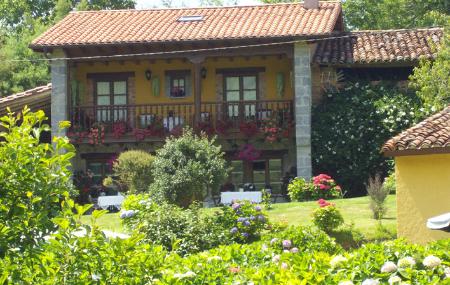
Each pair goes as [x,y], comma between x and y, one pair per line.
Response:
[127,123]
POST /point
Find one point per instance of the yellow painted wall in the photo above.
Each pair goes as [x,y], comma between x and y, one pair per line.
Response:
[272,64]
[423,191]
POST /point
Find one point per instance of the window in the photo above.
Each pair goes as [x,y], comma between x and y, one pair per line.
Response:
[111,100]
[241,88]
[177,86]
[178,83]
[100,168]
[190,18]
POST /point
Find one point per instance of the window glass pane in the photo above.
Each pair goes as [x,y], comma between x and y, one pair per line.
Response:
[120,87]
[275,172]
[249,95]
[95,167]
[237,173]
[249,82]
[250,110]
[232,96]
[103,100]
[232,83]
[102,88]
[120,100]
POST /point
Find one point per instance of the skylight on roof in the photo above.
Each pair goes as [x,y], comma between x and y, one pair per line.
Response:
[192,18]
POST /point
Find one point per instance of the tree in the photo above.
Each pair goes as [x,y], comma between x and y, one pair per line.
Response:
[62,8]
[188,168]
[30,70]
[394,14]
[34,176]
[432,78]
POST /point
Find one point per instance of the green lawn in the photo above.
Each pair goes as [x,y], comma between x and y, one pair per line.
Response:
[354,210]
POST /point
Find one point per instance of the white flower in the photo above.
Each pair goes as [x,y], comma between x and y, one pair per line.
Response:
[431,261]
[284,265]
[388,267]
[264,247]
[337,260]
[394,280]
[371,282]
[406,262]
[215,258]
[346,283]
[188,274]
[447,272]
[95,277]
[276,258]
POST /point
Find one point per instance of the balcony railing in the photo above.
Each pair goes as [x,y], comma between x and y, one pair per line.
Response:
[158,120]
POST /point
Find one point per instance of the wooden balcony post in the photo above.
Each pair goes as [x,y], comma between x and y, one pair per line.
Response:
[197,61]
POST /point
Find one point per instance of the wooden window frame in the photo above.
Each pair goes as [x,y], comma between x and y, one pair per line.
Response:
[177,75]
[111,91]
[240,75]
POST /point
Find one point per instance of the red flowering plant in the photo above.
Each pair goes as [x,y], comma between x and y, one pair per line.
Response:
[325,187]
[249,128]
[156,128]
[223,126]
[97,134]
[119,128]
[76,134]
[206,127]
[248,153]
[140,134]
[271,129]
[320,187]
[327,217]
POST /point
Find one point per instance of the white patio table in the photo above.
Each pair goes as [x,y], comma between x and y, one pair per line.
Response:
[229,197]
[106,201]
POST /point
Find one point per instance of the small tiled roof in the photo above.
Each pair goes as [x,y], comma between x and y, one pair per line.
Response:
[379,46]
[36,99]
[163,25]
[432,133]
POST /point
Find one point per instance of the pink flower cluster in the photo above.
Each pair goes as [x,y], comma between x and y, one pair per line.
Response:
[323,203]
[325,182]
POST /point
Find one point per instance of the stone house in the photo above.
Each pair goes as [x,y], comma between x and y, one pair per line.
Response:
[250,74]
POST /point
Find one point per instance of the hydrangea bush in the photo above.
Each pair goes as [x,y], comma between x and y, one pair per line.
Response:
[321,186]
[350,126]
[245,220]
[327,217]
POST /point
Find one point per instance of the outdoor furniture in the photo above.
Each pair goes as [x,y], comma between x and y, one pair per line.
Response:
[105,202]
[229,197]
[440,222]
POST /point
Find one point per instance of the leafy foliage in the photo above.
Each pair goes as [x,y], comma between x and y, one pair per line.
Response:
[392,14]
[321,186]
[134,170]
[378,194]
[244,220]
[34,177]
[327,217]
[187,169]
[184,231]
[346,144]
[432,78]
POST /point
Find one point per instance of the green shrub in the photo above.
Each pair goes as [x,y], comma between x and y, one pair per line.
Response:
[243,219]
[327,217]
[188,168]
[34,176]
[350,126]
[321,186]
[184,231]
[378,194]
[134,169]
[305,239]
[389,183]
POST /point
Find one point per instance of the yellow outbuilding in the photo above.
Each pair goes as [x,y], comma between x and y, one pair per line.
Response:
[422,172]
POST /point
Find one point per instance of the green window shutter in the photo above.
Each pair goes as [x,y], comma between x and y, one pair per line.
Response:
[280,84]
[155,86]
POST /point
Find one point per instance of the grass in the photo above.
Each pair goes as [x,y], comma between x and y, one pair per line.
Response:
[354,210]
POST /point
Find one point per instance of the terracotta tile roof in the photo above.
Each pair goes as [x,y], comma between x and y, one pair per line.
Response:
[163,25]
[36,99]
[432,133]
[379,46]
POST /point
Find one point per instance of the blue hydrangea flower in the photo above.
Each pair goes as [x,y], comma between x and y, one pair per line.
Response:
[234,230]
[236,206]
[287,243]
[261,218]
[246,235]
[241,219]
[246,223]
[258,208]
[252,218]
